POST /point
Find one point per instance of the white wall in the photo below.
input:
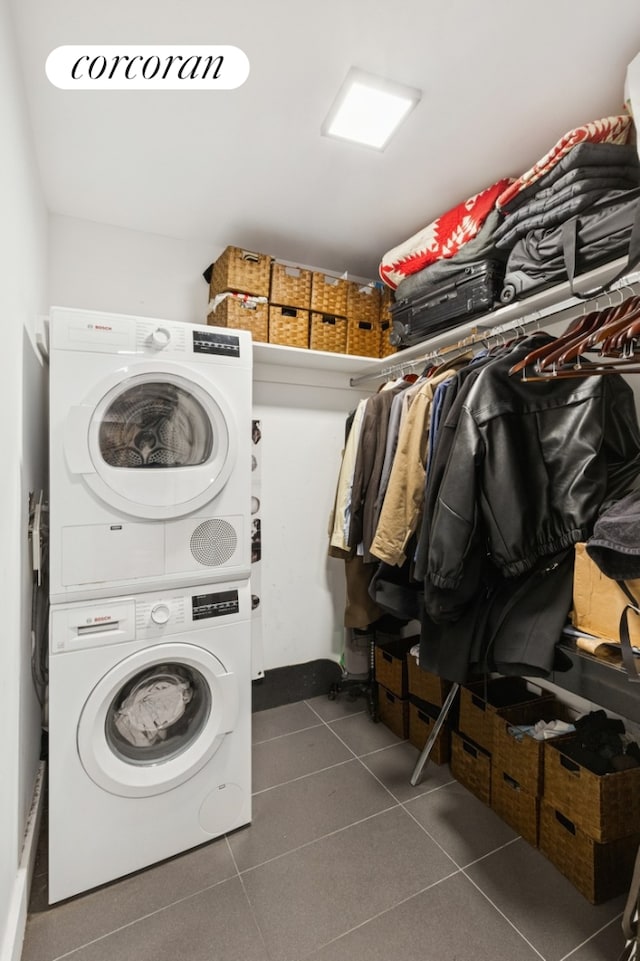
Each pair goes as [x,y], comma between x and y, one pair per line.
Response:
[22,390]
[302,596]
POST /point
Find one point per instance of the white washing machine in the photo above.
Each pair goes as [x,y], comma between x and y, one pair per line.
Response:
[149,730]
[150,454]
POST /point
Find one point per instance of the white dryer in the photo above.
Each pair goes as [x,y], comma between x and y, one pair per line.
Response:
[149,730]
[150,454]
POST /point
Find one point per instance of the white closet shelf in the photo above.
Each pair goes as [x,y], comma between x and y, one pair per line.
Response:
[274,354]
[551,304]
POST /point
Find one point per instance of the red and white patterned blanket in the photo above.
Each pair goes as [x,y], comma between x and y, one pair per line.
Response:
[449,233]
[441,239]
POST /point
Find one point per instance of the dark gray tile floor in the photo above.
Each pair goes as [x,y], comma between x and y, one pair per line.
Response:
[344,861]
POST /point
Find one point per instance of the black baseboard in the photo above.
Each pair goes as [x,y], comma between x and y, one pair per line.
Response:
[284,685]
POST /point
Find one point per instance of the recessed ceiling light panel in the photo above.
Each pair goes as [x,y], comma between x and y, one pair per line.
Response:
[368,109]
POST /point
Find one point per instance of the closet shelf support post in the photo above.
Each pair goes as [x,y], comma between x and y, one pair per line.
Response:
[426,750]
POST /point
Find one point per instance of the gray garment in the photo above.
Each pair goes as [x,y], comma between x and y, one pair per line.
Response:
[393,430]
[553,209]
[480,248]
[607,156]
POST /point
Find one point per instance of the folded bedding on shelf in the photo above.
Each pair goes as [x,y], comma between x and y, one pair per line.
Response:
[617,129]
[481,247]
[441,239]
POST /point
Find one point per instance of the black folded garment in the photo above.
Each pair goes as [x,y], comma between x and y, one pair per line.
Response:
[608,159]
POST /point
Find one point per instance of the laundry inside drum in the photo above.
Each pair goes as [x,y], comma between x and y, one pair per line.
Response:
[155,425]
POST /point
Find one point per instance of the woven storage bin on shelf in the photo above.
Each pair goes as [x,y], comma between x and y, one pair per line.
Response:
[598,871]
[363,302]
[363,338]
[289,326]
[471,765]
[328,294]
[393,712]
[243,315]
[604,806]
[246,271]
[421,724]
[328,332]
[290,286]
[518,808]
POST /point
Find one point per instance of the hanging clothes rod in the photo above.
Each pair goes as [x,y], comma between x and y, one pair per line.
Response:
[530,312]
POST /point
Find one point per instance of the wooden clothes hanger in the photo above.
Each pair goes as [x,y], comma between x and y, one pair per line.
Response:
[574,340]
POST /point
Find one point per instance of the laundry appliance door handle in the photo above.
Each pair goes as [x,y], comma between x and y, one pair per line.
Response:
[76,440]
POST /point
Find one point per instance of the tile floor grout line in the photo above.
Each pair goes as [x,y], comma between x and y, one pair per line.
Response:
[279,737]
[301,777]
[380,914]
[430,836]
[144,917]
[594,935]
[306,844]
[502,914]
[248,900]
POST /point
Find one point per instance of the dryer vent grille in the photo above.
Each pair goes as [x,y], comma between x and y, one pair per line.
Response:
[213,542]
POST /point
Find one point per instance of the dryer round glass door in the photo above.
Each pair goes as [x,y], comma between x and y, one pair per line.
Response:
[155,719]
[155,444]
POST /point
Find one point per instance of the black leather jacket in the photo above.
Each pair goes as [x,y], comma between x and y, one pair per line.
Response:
[528,468]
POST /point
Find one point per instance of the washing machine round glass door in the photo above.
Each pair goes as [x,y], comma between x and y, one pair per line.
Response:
[155,719]
[155,444]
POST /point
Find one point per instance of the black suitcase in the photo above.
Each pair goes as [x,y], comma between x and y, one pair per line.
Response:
[474,290]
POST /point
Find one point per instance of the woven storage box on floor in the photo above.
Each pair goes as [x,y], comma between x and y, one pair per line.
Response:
[605,806]
[421,724]
[363,302]
[517,752]
[328,332]
[290,286]
[480,702]
[393,711]
[363,338]
[246,271]
[519,809]
[425,685]
[289,326]
[328,294]
[243,315]
[391,665]
[471,766]
[598,871]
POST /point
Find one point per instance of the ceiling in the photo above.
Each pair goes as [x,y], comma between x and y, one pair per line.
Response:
[501,83]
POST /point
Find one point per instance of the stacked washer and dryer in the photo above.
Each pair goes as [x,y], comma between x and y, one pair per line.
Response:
[150,632]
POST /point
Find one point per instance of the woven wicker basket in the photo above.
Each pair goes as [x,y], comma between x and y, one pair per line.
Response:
[393,712]
[242,270]
[289,326]
[290,286]
[329,333]
[328,294]
[471,766]
[363,338]
[425,685]
[243,315]
[605,806]
[598,871]
[517,807]
[363,302]
[421,724]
